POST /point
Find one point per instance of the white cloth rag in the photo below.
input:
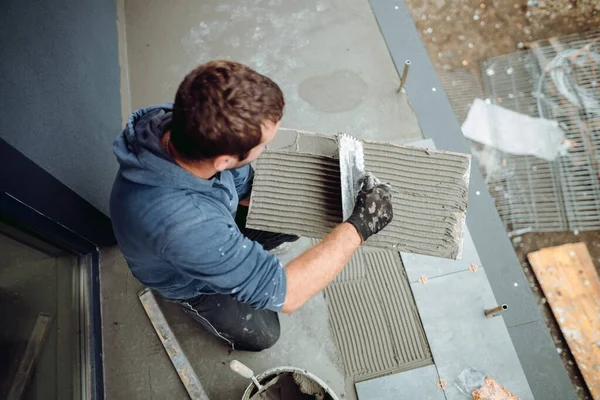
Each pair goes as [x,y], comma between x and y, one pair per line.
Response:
[513,132]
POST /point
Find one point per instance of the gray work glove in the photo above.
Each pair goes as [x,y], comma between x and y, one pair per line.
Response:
[373,208]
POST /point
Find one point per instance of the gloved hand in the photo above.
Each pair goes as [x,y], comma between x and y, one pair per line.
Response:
[373,208]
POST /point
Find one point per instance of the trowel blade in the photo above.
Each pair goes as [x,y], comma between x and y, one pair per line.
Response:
[352,170]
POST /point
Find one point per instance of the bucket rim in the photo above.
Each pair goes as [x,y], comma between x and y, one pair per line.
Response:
[279,370]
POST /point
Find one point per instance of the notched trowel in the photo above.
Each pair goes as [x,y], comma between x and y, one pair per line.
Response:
[352,170]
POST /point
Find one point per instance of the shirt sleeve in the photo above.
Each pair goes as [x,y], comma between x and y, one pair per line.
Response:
[216,253]
[243,178]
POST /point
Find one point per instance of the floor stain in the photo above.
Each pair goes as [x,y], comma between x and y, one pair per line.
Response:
[340,91]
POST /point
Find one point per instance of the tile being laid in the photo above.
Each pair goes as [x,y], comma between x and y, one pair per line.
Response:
[430,267]
[460,336]
[297,190]
[420,383]
[429,196]
[296,194]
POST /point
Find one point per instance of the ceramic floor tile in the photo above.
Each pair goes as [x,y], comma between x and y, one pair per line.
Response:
[430,267]
[420,383]
[460,336]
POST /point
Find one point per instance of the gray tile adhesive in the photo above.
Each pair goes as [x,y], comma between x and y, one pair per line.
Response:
[296,194]
[297,190]
[429,195]
[374,317]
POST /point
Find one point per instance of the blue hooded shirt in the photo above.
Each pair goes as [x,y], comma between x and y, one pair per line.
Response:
[177,231]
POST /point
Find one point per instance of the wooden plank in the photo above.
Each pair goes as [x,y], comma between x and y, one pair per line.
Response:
[29,357]
[571,285]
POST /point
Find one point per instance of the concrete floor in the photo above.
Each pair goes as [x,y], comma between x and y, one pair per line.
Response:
[337,76]
[32,282]
[136,365]
[328,56]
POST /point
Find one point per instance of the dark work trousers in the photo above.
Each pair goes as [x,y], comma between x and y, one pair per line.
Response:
[238,324]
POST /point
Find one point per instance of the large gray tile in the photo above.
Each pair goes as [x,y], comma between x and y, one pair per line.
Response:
[430,267]
[547,377]
[419,384]
[460,336]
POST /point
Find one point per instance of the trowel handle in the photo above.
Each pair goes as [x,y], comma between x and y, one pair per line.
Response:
[241,369]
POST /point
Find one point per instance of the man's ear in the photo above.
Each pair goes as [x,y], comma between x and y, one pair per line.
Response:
[224,162]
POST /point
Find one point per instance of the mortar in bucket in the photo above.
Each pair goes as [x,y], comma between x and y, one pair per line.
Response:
[308,383]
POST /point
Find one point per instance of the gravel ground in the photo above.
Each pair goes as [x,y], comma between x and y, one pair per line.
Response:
[460,34]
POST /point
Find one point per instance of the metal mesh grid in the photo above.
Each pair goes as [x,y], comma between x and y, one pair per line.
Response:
[462,87]
[569,92]
[532,193]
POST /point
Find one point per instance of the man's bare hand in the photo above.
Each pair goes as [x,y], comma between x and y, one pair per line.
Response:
[373,208]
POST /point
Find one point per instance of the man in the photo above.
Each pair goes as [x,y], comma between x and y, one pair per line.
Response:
[184,169]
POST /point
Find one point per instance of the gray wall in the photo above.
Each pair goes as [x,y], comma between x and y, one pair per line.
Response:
[60,95]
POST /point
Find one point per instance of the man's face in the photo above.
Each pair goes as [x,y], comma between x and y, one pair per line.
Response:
[269,131]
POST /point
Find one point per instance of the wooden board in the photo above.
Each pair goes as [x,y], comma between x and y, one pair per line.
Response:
[570,283]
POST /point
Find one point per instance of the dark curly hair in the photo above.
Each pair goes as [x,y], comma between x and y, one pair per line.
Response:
[219,109]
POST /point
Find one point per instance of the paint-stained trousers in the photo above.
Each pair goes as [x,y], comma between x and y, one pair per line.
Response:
[238,324]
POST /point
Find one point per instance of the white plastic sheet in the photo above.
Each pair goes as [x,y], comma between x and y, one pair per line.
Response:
[513,132]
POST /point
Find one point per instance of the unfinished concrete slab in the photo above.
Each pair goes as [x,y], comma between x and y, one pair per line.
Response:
[429,192]
[420,383]
[375,320]
[135,362]
[328,57]
[460,336]
[136,365]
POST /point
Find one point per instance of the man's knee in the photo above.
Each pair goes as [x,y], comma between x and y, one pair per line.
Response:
[272,335]
[260,334]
